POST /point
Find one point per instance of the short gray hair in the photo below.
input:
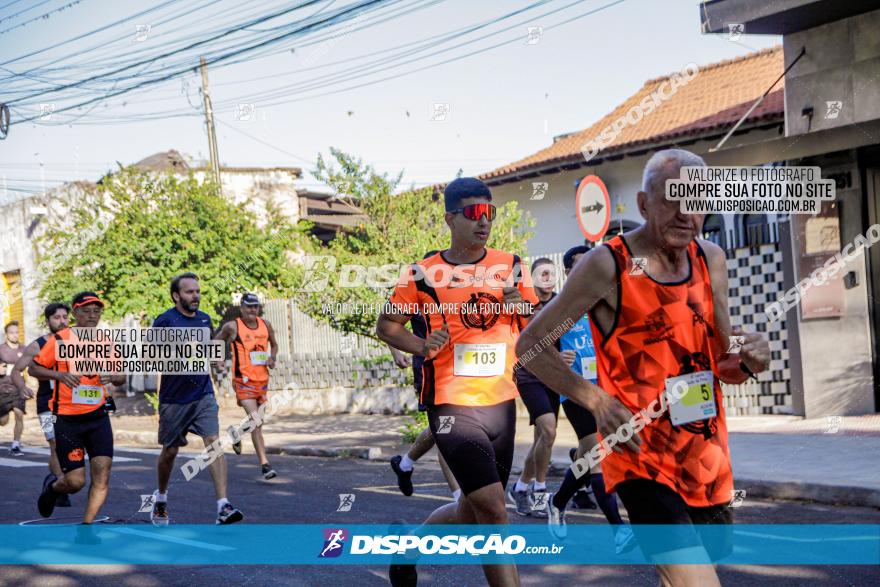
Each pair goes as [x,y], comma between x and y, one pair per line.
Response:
[660,162]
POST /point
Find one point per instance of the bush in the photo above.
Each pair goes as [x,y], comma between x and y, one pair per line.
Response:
[411,430]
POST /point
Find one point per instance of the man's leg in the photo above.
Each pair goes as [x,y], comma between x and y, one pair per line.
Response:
[545,426]
[72,481]
[450,478]
[250,407]
[218,469]
[18,428]
[54,465]
[487,504]
[99,486]
[421,446]
[164,465]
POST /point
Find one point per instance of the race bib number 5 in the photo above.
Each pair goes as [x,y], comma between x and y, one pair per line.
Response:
[479,360]
[695,393]
[88,394]
[259,357]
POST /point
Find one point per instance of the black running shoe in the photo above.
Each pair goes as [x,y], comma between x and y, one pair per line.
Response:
[582,500]
[16,452]
[571,453]
[404,478]
[268,472]
[403,576]
[46,501]
[229,515]
[63,501]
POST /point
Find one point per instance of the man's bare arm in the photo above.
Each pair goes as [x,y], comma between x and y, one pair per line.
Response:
[753,352]
[592,280]
[588,283]
[69,379]
[391,330]
[31,351]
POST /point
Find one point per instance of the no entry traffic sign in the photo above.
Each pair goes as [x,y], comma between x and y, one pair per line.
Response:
[593,208]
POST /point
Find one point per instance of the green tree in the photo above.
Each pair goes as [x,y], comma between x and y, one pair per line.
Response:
[138,230]
[400,229]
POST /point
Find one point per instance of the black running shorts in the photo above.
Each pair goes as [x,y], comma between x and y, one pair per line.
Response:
[476,441]
[84,434]
[538,398]
[582,419]
[648,502]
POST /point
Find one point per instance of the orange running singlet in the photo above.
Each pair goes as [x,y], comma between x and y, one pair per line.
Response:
[475,368]
[250,350]
[86,397]
[662,331]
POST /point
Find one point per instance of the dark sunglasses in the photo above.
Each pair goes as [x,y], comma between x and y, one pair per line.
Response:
[475,211]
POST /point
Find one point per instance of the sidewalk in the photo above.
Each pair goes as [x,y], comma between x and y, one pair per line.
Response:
[783,457]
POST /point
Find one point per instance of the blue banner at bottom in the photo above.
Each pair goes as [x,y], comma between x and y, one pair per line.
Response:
[362,544]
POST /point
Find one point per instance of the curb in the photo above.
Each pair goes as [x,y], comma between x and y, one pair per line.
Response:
[788,490]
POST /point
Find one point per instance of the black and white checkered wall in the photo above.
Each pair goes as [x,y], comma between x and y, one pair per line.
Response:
[755,280]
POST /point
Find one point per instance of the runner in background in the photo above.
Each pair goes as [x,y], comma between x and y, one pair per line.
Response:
[543,406]
[402,465]
[473,299]
[56,316]
[82,426]
[10,353]
[254,351]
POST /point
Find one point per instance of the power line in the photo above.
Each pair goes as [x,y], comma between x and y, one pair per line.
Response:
[11,16]
[42,16]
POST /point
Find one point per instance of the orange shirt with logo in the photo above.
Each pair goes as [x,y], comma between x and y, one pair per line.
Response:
[250,345]
[663,331]
[475,368]
[63,400]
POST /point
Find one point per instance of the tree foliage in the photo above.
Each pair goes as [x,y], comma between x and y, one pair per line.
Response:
[401,228]
[141,229]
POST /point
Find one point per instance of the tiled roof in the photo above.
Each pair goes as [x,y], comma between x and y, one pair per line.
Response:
[713,100]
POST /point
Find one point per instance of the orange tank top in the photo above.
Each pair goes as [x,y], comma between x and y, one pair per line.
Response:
[664,330]
[250,350]
[476,367]
[86,397]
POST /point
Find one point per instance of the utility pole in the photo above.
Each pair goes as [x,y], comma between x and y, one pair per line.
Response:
[209,122]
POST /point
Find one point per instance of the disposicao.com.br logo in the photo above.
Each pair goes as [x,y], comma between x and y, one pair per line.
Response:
[456,544]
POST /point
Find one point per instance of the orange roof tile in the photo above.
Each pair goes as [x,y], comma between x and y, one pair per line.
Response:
[716,98]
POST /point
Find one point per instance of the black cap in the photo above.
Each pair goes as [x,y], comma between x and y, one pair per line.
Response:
[463,188]
[250,299]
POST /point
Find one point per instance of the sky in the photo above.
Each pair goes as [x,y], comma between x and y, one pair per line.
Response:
[471,114]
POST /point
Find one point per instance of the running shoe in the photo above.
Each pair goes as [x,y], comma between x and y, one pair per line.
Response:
[159,516]
[63,501]
[403,576]
[16,452]
[582,500]
[556,520]
[521,500]
[236,446]
[404,478]
[268,472]
[229,515]
[46,501]
[624,540]
[537,506]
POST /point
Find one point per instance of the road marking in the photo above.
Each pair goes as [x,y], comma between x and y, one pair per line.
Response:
[174,539]
[18,463]
[393,490]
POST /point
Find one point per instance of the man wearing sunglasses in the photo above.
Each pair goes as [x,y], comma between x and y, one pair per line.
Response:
[474,300]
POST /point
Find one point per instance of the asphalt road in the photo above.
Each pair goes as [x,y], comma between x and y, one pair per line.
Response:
[307,490]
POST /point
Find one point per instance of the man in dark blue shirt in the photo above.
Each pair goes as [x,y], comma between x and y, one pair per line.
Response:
[187,404]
